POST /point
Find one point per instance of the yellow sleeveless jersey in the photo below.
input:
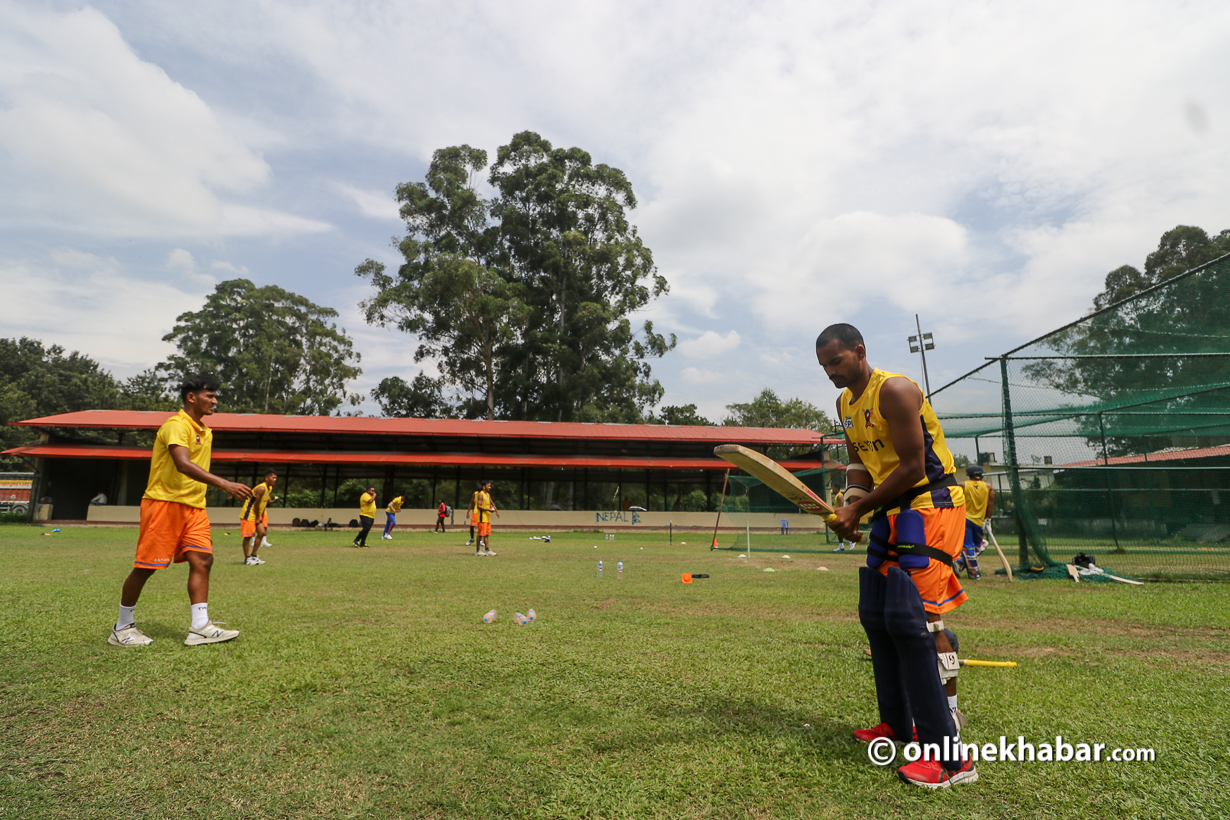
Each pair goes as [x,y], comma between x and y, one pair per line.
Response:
[254,508]
[976,495]
[867,432]
[484,505]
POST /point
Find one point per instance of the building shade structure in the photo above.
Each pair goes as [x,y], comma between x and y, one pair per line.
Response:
[534,464]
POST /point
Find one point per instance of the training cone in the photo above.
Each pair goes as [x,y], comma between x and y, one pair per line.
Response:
[687,577]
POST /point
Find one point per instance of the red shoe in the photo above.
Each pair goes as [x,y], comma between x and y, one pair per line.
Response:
[932,775]
[883,730]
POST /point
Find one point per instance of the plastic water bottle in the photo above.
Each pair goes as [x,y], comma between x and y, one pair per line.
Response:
[489,617]
[531,614]
[599,567]
[521,619]
[619,568]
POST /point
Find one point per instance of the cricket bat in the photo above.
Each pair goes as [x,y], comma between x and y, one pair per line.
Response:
[1002,559]
[777,478]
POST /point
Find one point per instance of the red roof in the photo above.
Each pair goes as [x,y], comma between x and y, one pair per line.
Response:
[426,459]
[463,428]
[1161,455]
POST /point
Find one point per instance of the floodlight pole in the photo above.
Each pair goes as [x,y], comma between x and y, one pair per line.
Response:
[921,344]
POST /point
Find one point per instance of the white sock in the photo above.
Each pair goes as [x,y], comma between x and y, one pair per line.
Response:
[200,615]
[127,618]
[952,702]
[264,542]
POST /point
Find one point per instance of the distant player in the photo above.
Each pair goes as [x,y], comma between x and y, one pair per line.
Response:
[174,524]
[979,504]
[485,507]
[367,516]
[391,512]
[441,512]
[472,512]
[908,584]
[254,521]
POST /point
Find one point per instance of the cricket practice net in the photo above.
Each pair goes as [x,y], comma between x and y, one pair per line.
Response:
[1111,435]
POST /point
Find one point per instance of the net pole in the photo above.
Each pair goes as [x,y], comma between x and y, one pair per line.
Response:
[721,504]
[1110,493]
[748,525]
[1014,472]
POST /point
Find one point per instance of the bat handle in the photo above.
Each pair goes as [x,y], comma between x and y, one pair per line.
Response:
[833,517]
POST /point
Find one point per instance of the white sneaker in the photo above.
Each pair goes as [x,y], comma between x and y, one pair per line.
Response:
[386,538]
[490,552]
[265,543]
[129,636]
[210,633]
[257,560]
[248,562]
[470,543]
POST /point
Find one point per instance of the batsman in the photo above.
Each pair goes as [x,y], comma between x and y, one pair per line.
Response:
[901,469]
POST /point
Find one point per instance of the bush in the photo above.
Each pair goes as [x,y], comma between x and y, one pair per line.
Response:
[13,518]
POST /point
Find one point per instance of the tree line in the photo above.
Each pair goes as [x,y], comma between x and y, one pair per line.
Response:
[523,290]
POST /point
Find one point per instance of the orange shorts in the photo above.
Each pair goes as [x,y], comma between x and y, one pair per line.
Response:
[247,527]
[484,528]
[168,530]
[938,585]
[474,519]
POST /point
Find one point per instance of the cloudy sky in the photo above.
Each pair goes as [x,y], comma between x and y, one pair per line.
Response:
[981,164]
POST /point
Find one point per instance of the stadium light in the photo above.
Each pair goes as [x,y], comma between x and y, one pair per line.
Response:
[920,344]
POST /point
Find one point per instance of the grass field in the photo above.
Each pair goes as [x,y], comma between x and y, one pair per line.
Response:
[365,685]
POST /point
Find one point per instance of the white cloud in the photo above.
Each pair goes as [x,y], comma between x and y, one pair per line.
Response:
[375,204]
[93,305]
[709,344]
[94,139]
[695,375]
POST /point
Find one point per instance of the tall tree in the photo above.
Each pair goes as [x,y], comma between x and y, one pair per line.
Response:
[450,291]
[564,223]
[274,351]
[679,415]
[1189,316]
[40,381]
[767,410]
[423,398]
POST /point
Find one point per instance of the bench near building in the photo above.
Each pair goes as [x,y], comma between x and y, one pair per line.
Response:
[544,474]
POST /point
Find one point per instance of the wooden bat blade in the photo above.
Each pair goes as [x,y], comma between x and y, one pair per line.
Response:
[775,477]
[1003,560]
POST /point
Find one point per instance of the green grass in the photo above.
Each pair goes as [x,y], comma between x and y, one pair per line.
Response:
[365,685]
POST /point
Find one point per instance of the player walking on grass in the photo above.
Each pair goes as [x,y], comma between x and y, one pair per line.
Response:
[979,504]
[441,512]
[391,511]
[485,507]
[174,524]
[254,521]
[367,516]
[472,512]
[917,530]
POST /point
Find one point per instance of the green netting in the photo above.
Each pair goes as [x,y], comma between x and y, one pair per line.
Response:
[1111,435]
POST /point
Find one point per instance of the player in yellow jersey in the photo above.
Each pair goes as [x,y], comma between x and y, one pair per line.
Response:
[390,513]
[484,507]
[367,516]
[174,524]
[254,521]
[894,437]
[979,504]
[472,512]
